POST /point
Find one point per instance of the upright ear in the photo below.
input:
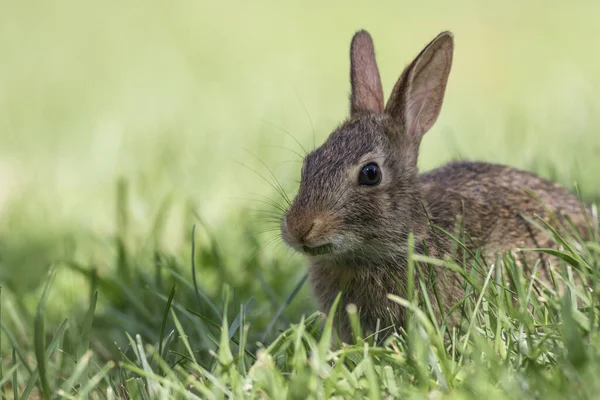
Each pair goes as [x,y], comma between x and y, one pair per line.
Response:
[417,97]
[367,93]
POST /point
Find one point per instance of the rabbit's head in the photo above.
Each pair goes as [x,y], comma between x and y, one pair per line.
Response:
[359,191]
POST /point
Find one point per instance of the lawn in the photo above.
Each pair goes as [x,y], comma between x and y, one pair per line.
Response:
[139,148]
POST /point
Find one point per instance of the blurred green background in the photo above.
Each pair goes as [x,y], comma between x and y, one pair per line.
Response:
[182,100]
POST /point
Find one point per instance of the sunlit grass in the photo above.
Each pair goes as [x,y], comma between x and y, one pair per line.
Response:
[161,334]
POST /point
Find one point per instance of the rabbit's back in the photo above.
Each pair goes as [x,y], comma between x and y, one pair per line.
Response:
[495,202]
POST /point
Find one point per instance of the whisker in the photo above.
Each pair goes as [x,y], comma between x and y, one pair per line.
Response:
[271,241]
[276,206]
[287,133]
[308,116]
[266,180]
[266,218]
[257,231]
[266,230]
[277,183]
[285,148]
[260,211]
[274,241]
[268,223]
[290,161]
[266,215]
[263,199]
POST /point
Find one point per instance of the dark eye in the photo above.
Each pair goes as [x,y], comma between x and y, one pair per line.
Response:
[370,175]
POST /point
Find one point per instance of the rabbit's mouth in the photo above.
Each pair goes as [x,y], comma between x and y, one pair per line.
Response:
[318,250]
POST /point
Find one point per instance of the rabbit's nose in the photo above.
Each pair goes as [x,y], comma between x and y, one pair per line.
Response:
[307,228]
[299,229]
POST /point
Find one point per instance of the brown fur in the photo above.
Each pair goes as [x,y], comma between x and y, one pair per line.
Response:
[356,236]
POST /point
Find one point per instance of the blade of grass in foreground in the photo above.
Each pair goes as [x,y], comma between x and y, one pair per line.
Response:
[15,377]
[15,346]
[284,306]
[164,321]
[325,343]
[240,318]
[91,383]
[78,372]
[49,350]
[39,336]
[199,294]
[86,333]
[183,336]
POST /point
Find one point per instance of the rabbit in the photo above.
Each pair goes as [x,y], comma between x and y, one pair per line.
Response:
[361,194]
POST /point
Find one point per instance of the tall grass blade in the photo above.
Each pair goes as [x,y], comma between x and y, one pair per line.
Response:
[40,339]
[15,377]
[86,328]
[164,322]
[283,306]
[194,279]
[33,378]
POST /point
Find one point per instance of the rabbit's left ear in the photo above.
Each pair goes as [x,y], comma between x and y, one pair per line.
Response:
[417,97]
[367,93]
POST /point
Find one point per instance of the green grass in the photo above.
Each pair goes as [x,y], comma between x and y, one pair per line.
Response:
[159,334]
[123,126]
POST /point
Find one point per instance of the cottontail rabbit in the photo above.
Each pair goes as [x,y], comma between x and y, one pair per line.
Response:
[361,194]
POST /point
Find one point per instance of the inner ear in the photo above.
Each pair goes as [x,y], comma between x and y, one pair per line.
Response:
[367,92]
[417,97]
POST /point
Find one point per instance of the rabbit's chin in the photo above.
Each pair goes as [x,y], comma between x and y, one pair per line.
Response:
[336,246]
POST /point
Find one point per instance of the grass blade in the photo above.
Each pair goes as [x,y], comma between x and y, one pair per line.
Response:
[164,322]
[284,305]
[39,336]
[51,347]
[198,293]
[86,329]
[15,346]
[183,336]
[15,377]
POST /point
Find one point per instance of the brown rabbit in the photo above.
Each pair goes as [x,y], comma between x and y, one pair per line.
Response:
[361,194]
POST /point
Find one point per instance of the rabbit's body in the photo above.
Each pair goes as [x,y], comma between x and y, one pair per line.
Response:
[361,195]
[491,209]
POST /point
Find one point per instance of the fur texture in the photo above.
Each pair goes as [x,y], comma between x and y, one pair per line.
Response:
[355,237]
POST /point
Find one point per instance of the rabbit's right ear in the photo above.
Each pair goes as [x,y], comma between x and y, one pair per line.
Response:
[417,97]
[367,92]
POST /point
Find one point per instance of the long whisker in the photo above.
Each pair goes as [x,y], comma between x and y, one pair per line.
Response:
[268,213]
[287,133]
[277,183]
[285,148]
[268,220]
[267,200]
[266,230]
[282,194]
[264,200]
[308,116]
[274,241]
[271,241]
[290,161]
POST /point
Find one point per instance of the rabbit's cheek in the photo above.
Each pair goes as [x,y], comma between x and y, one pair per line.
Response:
[342,243]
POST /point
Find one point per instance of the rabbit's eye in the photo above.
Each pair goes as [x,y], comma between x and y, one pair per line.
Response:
[370,175]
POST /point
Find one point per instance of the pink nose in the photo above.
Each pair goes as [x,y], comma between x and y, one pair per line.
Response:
[299,229]
[307,229]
